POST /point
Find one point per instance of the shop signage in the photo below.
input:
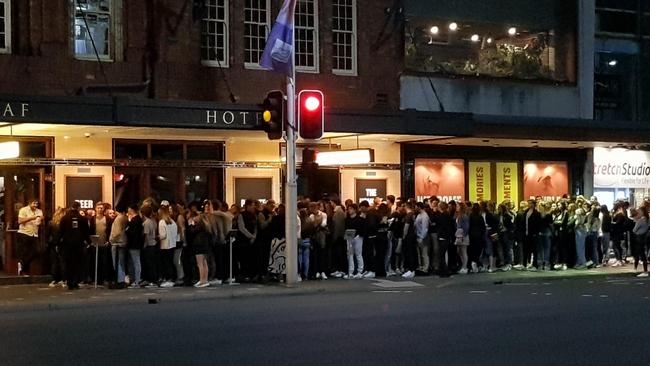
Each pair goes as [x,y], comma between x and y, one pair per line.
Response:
[237,118]
[621,168]
[368,189]
[548,180]
[85,190]
[480,181]
[439,177]
[14,110]
[507,180]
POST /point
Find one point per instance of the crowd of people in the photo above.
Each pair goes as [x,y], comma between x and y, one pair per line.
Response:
[161,244]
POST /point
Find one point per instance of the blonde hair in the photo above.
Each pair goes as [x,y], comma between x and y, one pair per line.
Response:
[58,215]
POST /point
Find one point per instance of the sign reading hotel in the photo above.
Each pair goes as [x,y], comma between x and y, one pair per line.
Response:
[507,175]
[480,181]
[621,168]
[439,177]
[549,180]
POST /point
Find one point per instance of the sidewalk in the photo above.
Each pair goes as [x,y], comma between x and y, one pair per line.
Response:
[8,280]
[41,297]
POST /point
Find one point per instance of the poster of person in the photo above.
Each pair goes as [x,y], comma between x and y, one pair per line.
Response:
[440,177]
[549,180]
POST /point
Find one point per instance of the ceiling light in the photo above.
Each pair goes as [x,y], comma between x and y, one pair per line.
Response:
[612,63]
[9,150]
[434,29]
[345,157]
[512,31]
[475,38]
[489,40]
[453,26]
[66,137]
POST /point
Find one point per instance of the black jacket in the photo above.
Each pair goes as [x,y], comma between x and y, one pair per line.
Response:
[446,227]
[74,231]
[135,233]
[534,222]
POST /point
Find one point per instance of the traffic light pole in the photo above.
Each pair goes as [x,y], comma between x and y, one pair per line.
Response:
[291,189]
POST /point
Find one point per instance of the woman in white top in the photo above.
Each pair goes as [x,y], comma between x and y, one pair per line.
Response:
[168,236]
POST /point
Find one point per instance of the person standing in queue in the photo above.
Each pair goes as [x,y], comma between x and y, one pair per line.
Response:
[75,235]
[30,218]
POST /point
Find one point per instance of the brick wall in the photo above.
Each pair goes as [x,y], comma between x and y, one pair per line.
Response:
[162,43]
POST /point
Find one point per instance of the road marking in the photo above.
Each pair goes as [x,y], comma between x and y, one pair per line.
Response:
[518,284]
[478,292]
[533,293]
[391,292]
[396,284]
[587,295]
[548,294]
[604,296]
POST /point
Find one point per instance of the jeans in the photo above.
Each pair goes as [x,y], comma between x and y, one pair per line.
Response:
[581,235]
[303,257]
[137,265]
[389,252]
[604,245]
[423,254]
[119,262]
[506,244]
[545,254]
[355,250]
[591,244]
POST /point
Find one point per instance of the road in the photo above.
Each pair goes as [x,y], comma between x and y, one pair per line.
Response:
[581,321]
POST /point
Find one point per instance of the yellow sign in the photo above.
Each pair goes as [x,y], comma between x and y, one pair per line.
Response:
[480,183]
[508,183]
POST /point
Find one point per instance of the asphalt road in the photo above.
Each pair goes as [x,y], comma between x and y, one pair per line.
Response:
[570,322]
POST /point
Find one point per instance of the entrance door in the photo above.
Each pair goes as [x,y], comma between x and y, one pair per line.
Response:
[17,186]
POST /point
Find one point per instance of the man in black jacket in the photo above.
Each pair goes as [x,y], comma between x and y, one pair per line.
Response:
[75,236]
[446,233]
[532,227]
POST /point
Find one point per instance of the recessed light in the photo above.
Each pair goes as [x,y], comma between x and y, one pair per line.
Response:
[434,29]
[612,63]
[453,26]
[475,38]
[66,137]
[489,40]
[512,31]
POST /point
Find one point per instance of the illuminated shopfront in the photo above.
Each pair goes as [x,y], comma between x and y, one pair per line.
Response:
[621,174]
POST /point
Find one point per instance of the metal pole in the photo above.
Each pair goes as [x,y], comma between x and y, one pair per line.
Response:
[291,189]
[96,262]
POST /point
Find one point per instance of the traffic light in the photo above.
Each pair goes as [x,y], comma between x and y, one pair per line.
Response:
[310,114]
[273,114]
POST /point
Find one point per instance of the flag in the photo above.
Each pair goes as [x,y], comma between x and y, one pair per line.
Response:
[278,53]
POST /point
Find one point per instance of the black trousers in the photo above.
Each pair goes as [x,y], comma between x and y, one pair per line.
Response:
[531,244]
[26,250]
[72,256]
[167,264]
[381,248]
[56,263]
[443,248]
[368,253]
[339,255]
[150,262]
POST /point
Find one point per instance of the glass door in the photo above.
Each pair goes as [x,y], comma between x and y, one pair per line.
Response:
[17,187]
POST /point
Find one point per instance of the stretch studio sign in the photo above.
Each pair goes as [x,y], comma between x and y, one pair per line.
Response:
[621,168]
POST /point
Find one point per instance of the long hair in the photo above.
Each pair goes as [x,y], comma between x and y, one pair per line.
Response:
[58,215]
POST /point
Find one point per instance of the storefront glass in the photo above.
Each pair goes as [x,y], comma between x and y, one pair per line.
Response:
[442,178]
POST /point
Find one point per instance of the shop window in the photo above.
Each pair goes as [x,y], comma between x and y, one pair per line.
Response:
[344,36]
[520,39]
[163,185]
[257,23]
[214,33]
[616,21]
[196,186]
[166,152]
[205,152]
[306,33]
[93,25]
[127,150]
[33,149]
[127,187]
[5,26]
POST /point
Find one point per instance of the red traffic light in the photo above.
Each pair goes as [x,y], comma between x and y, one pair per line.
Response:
[311,116]
[312,103]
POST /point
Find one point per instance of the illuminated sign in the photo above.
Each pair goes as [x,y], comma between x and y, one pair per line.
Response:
[507,177]
[621,168]
[439,177]
[549,180]
[480,182]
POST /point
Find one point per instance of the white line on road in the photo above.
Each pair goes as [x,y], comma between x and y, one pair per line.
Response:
[478,292]
[587,295]
[604,296]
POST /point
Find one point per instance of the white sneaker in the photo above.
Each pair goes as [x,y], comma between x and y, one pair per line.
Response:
[462,271]
[127,279]
[369,274]
[564,267]
[642,274]
[357,276]
[322,275]
[299,279]
[317,276]
[63,284]
[167,284]
[134,285]
[518,267]
[409,274]
[347,277]
[391,273]
[507,268]
[202,285]
[589,263]
[153,285]
[215,282]
[474,267]
[52,284]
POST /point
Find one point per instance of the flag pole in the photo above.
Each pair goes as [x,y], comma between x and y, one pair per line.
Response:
[291,188]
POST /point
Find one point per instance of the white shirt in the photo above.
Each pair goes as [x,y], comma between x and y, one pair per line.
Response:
[168,234]
[31,227]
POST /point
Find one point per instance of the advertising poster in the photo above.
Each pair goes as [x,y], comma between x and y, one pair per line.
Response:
[621,168]
[368,189]
[480,182]
[507,182]
[440,177]
[549,180]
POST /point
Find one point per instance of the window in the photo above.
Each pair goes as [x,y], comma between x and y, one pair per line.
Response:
[5,26]
[306,35]
[513,39]
[257,20]
[93,22]
[344,36]
[214,33]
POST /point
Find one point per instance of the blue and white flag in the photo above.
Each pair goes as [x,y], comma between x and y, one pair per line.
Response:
[278,53]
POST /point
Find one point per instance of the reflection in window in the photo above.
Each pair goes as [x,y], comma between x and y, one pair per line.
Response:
[96,27]
[166,152]
[163,185]
[465,42]
[196,186]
